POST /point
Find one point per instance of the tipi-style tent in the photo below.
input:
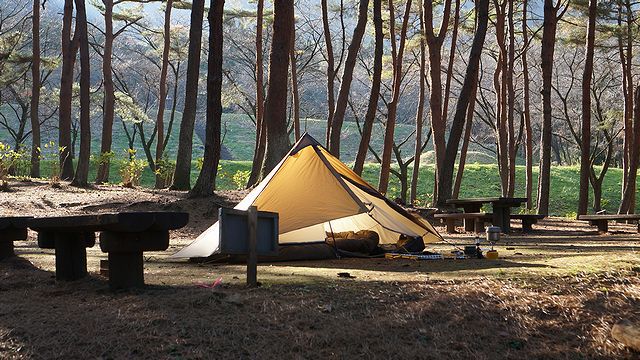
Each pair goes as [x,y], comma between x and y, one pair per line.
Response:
[314,193]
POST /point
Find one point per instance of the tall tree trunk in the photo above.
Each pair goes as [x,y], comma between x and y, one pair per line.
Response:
[258,154]
[82,169]
[206,182]
[627,203]
[627,78]
[452,53]
[182,176]
[500,86]
[109,98]
[35,92]
[330,69]
[465,144]
[295,97]
[392,108]
[548,45]
[585,147]
[419,116]
[275,109]
[69,49]
[434,43]
[526,113]
[160,178]
[347,76]
[511,94]
[445,177]
[374,95]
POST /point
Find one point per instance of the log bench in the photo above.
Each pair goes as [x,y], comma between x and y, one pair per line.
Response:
[12,229]
[528,220]
[123,236]
[602,220]
[472,221]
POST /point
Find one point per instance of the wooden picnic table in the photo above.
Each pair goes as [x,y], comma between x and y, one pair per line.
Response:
[501,209]
[124,236]
[12,228]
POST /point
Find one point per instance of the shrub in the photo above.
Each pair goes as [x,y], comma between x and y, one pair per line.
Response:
[8,159]
[165,170]
[52,154]
[131,169]
[241,178]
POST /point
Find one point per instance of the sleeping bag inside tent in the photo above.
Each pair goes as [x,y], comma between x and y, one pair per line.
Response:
[321,200]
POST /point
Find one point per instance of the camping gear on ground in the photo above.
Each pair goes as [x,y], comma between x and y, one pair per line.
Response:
[491,254]
[314,193]
[364,241]
[471,250]
[493,234]
[410,243]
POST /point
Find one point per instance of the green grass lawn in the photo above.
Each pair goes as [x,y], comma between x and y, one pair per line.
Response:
[479,180]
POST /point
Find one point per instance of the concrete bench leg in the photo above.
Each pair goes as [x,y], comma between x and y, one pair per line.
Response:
[7,237]
[527,224]
[469,225]
[71,252]
[451,226]
[603,225]
[125,270]
[478,226]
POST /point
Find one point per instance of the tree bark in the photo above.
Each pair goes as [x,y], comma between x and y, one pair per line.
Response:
[628,196]
[206,182]
[258,154]
[445,177]
[434,43]
[295,97]
[548,45]
[347,77]
[330,69]
[465,145]
[163,92]
[585,147]
[102,175]
[392,108]
[511,94]
[526,112]
[275,109]
[35,92]
[419,115]
[82,169]
[374,95]
[182,176]
[69,49]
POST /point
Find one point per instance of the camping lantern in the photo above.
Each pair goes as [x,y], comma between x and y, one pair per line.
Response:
[493,234]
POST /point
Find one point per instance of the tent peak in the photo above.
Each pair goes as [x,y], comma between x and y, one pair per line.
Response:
[305,140]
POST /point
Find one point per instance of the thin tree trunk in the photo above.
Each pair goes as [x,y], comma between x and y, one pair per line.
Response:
[465,145]
[295,97]
[163,92]
[627,203]
[206,182]
[372,107]
[445,177]
[511,94]
[452,52]
[434,43]
[585,147]
[347,76]
[385,167]
[500,86]
[109,99]
[35,92]
[548,45]
[182,176]
[275,109]
[82,169]
[258,154]
[69,49]
[419,115]
[526,113]
[330,69]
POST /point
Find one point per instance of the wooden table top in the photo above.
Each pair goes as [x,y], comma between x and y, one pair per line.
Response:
[484,200]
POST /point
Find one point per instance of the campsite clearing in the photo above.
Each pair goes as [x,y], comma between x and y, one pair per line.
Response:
[557,290]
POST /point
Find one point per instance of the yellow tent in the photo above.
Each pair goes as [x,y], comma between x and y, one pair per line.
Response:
[315,193]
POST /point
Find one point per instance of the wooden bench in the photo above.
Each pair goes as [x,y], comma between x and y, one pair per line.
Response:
[11,229]
[528,220]
[124,236]
[472,221]
[602,220]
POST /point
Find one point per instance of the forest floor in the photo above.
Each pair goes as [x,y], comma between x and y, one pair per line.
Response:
[554,293]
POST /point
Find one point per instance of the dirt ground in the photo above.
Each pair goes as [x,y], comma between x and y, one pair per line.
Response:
[554,293]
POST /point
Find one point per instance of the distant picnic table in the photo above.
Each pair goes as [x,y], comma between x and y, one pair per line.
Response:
[501,209]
